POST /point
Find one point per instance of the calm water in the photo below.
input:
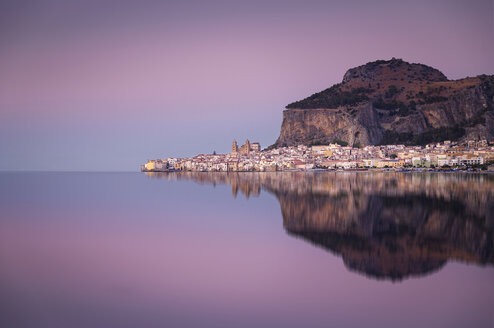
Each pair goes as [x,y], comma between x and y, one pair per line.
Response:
[246,250]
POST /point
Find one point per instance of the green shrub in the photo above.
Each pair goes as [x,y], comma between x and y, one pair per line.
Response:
[340,142]
[392,91]
[333,98]
[424,138]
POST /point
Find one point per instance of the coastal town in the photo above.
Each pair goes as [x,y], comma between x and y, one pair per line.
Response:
[447,155]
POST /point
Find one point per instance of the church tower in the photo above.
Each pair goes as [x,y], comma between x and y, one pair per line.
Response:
[234,147]
[245,149]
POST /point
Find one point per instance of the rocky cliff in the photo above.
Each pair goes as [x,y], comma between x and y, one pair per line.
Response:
[390,102]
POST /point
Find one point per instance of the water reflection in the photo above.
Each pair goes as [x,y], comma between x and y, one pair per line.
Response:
[384,225]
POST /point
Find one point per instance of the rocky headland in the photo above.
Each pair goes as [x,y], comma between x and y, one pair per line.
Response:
[392,102]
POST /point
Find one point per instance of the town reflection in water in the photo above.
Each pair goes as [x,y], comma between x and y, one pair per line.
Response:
[384,225]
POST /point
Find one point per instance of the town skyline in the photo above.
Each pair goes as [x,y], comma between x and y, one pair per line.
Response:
[466,155]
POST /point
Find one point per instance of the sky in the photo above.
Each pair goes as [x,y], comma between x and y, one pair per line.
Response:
[104,85]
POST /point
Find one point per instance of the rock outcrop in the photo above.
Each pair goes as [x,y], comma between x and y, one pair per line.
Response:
[390,102]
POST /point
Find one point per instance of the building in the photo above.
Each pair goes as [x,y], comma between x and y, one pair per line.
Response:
[156,165]
[149,165]
[232,166]
[472,161]
[255,146]
[246,148]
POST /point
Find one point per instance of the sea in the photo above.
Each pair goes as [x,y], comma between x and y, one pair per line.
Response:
[279,249]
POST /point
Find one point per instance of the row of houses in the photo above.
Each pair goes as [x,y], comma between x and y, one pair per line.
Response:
[330,156]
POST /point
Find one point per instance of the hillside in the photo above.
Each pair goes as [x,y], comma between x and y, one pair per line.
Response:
[388,102]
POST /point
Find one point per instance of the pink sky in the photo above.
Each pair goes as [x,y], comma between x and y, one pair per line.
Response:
[104,85]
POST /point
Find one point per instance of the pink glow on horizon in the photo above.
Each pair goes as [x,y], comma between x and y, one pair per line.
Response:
[81,63]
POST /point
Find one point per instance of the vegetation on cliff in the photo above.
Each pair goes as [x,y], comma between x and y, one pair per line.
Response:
[424,138]
[333,97]
[392,101]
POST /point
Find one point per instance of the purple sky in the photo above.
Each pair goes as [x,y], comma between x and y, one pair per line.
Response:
[105,85]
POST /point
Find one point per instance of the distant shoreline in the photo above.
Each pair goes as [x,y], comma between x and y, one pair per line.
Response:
[333,171]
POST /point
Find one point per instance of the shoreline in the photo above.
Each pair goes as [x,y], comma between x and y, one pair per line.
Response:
[451,171]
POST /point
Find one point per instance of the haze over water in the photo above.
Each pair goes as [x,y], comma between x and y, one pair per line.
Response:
[302,250]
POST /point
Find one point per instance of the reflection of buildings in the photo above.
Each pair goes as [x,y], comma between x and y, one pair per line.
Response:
[385,225]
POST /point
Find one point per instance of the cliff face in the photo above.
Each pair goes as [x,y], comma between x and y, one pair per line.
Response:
[392,102]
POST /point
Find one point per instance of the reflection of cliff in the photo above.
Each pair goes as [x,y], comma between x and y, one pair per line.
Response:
[385,225]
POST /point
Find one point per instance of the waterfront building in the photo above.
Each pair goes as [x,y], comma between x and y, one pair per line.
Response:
[468,160]
[232,166]
[250,157]
[149,165]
